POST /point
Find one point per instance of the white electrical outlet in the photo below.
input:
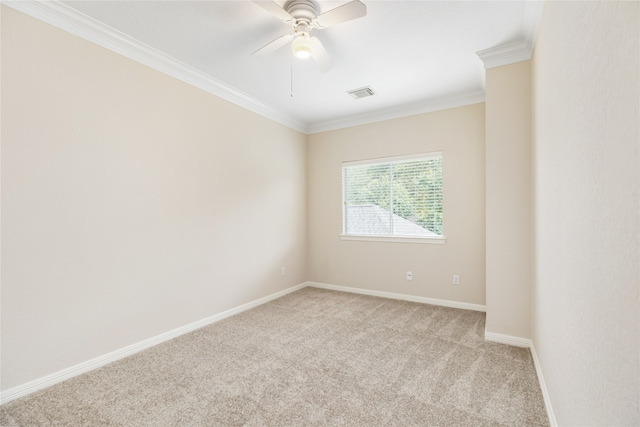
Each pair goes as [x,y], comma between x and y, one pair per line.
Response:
[409,275]
[456,279]
[283,271]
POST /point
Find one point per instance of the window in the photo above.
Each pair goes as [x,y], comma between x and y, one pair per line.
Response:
[397,199]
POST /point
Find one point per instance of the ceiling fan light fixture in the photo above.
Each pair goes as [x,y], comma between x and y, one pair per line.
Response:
[302,46]
[303,16]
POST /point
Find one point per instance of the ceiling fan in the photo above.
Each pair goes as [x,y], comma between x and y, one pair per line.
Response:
[303,17]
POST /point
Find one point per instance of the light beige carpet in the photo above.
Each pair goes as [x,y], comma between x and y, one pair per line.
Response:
[313,357]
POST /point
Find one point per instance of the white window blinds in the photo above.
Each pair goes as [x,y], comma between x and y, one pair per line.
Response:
[399,197]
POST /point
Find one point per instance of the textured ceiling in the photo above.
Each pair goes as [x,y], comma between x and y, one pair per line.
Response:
[412,53]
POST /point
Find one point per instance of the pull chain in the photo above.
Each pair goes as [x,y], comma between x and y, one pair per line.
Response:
[291,88]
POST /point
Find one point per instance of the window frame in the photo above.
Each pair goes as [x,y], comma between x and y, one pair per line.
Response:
[389,238]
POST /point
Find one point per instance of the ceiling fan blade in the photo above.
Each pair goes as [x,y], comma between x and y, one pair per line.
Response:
[352,10]
[274,9]
[272,46]
[320,55]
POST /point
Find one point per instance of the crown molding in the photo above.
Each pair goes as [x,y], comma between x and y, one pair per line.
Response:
[413,109]
[520,50]
[505,54]
[70,20]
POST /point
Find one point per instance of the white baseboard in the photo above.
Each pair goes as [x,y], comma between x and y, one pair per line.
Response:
[526,342]
[543,387]
[424,300]
[65,374]
[507,339]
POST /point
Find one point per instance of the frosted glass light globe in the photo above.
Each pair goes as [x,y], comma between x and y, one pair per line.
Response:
[302,46]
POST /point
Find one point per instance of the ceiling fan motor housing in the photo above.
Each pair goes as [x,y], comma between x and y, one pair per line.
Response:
[304,11]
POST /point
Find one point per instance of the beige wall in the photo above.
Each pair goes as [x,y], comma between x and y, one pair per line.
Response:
[132,203]
[381,266]
[587,193]
[508,199]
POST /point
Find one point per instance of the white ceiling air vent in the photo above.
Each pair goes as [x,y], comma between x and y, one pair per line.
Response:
[363,92]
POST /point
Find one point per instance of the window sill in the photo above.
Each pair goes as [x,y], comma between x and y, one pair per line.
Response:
[395,239]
